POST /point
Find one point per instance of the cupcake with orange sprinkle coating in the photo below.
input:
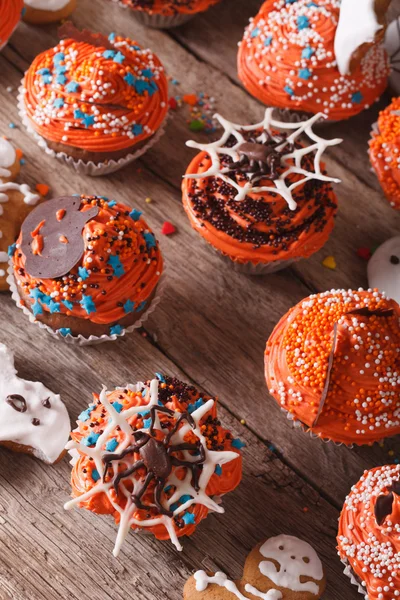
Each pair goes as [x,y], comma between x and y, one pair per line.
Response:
[368,538]
[384,151]
[96,102]
[85,268]
[320,56]
[333,365]
[10,16]
[154,456]
[163,14]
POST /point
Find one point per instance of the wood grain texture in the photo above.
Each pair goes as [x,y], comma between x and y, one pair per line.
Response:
[210,329]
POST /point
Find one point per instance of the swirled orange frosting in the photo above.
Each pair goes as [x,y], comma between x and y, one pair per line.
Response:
[372,550]
[384,152]
[180,398]
[170,7]
[119,269]
[333,363]
[10,15]
[261,228]
[287,59]
[96,98]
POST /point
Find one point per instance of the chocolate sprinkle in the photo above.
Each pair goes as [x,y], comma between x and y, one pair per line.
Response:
[35,421]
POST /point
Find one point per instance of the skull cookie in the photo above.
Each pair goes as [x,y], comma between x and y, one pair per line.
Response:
[33,419]
[16,201]
[384,269]
[281,568]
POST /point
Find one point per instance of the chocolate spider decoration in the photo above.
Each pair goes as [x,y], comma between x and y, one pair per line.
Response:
[157,457]
[260,158]
[384,503]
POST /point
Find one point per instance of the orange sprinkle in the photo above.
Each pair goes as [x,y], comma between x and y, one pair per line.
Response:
[60,214]
[42,188]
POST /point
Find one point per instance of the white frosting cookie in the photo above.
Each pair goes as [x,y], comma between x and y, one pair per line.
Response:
[51,5]
[31,415]
[384,269]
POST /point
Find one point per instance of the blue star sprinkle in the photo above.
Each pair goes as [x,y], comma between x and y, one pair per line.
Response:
[109,53]
[95,475]
[137,129]
[304,73]
[119,58]
[68,304]
[255,33]
[54,307]
[59,57]
[117,406]
[288,90]
[64,331]
[160,378]
[218,470]
[357,97]
[147,423]
[135,214]
[58,103]
[237,443]
[307,52]
[87,304]
[189,518]
[303,22]
[112,445]
[85,415]
[141,306]
[130,79]
[268,40]
[36,294]
[129,306]
[72,87]
[11,249]
[110,203]
[150,240]
[116,330]
[115,262]
[192,407]
[91,439]
[83,273]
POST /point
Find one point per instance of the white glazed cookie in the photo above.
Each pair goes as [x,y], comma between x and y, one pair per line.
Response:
[281,568]
[33,419]
[16,201]
[392,45]
[384,269]
[40,12]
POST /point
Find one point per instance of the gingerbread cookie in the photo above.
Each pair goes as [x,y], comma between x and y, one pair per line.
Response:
[16,201]
[281,568]
[33,419]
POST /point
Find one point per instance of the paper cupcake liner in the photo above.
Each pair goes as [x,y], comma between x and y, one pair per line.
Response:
[296,424]
[162,21]
[80,340]
[82,167]
[250,268]
[348,571]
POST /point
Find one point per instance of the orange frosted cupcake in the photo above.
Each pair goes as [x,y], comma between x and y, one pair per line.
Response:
[154,456]
[333,364]
[258,196]
[311,56]
[86,268]
[10,16]
[368,538]
[163,14]
[41,12]
[384,151]
[95,102]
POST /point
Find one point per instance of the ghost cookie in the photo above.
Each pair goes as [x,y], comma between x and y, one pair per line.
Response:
[16,201]
[281,568]
[384,269]
[33,419]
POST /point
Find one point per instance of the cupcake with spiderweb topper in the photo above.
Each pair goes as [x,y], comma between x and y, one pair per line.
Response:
[94,102]
[86,268]
[155,456]
[259,196]
[163,14]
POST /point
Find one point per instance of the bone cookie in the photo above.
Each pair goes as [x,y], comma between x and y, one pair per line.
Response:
[33,419]
[384,269]
[16,201]
[41,12]
[281,568]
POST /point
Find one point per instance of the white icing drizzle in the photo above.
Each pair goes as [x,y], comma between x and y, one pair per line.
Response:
[290,553]
[203,581]
[358,24]
[217,148]
[50,5]
[384,269]
[7,157]
[29,197]
[183,487]
[49,437]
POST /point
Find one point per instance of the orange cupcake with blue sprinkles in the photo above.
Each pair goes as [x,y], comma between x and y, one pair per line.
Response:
[333,365]
[155,456]
[86,268]
[384,151]
[97,102]
[259,196]
[319,56]
[163,14]
[10,16]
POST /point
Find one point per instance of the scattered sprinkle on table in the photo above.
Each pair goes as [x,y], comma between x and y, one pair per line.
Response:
[168,228]
[329,263]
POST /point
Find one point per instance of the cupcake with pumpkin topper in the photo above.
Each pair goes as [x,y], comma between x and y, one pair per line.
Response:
[86,268]
[322,56]
[163,14]
[41,12]
[10,16]
[368,538]
[259,196]
[96,102]
[384,151]
[333,365]
[155,456]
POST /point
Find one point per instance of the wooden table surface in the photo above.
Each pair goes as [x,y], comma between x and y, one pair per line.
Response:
[209,329]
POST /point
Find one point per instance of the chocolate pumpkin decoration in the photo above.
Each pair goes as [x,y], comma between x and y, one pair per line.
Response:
[52,240]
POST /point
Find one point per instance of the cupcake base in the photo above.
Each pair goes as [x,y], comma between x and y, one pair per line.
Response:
[259,269]
[90,339]
[83,167]
[348,571]
[162,21]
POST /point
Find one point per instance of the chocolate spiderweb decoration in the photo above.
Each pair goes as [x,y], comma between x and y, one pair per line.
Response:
[384,503]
